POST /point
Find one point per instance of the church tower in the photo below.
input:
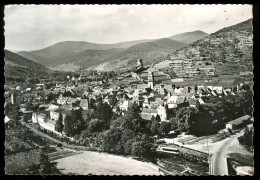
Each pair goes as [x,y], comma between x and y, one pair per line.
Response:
[150,80]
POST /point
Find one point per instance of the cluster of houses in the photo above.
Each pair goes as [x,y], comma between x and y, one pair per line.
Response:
[154,99]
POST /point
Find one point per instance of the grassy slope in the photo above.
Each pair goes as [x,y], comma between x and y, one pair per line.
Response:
[88,58]
[19,67]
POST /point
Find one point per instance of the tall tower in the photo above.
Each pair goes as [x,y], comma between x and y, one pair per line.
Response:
[150,80]
[140,63]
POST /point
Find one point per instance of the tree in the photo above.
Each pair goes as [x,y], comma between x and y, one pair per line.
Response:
[155,125]
[135,108]
[117,122]
[165,127]
[196,88]
[59,125]
[246,139]
[174,124]
[50,96]
[112,101]
[45,166]
[104,113]
[112,141]
[95,125]
[92,103]
[143,148]
[158,119]
[74,123]
[184,118]
[153,118]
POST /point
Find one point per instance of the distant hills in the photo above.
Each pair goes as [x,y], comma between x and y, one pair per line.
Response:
[150,52]
[19,68]
[189,37]
[74,55]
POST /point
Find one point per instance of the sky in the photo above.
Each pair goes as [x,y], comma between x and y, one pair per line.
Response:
[30,27]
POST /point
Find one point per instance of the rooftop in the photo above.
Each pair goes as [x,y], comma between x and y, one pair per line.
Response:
[239,120]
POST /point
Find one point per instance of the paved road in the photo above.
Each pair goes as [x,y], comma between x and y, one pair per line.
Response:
[72,147]
[219,158]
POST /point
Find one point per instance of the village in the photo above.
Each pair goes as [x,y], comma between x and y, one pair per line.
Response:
[111,101]
[153,99]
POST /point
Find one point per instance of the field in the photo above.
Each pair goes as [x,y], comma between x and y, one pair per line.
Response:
[19,162]
[104,164]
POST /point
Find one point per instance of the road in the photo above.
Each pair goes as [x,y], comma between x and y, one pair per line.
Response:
[71,147]
[219,158]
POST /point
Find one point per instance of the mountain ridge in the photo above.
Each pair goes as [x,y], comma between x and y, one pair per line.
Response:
[68,52]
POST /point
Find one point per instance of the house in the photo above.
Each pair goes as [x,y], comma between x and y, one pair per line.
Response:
[176,101]
[178,90]
[54,115]
[28,89]
[18,88]
[49,125]
[172,102]
[7,119]
[218,89]
[123,104]
[42,117]
[239,122]
[193,102]
[152,112]
[84,103]
[39,86]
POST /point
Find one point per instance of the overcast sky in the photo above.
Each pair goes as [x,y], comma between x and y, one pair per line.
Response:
[29,27]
